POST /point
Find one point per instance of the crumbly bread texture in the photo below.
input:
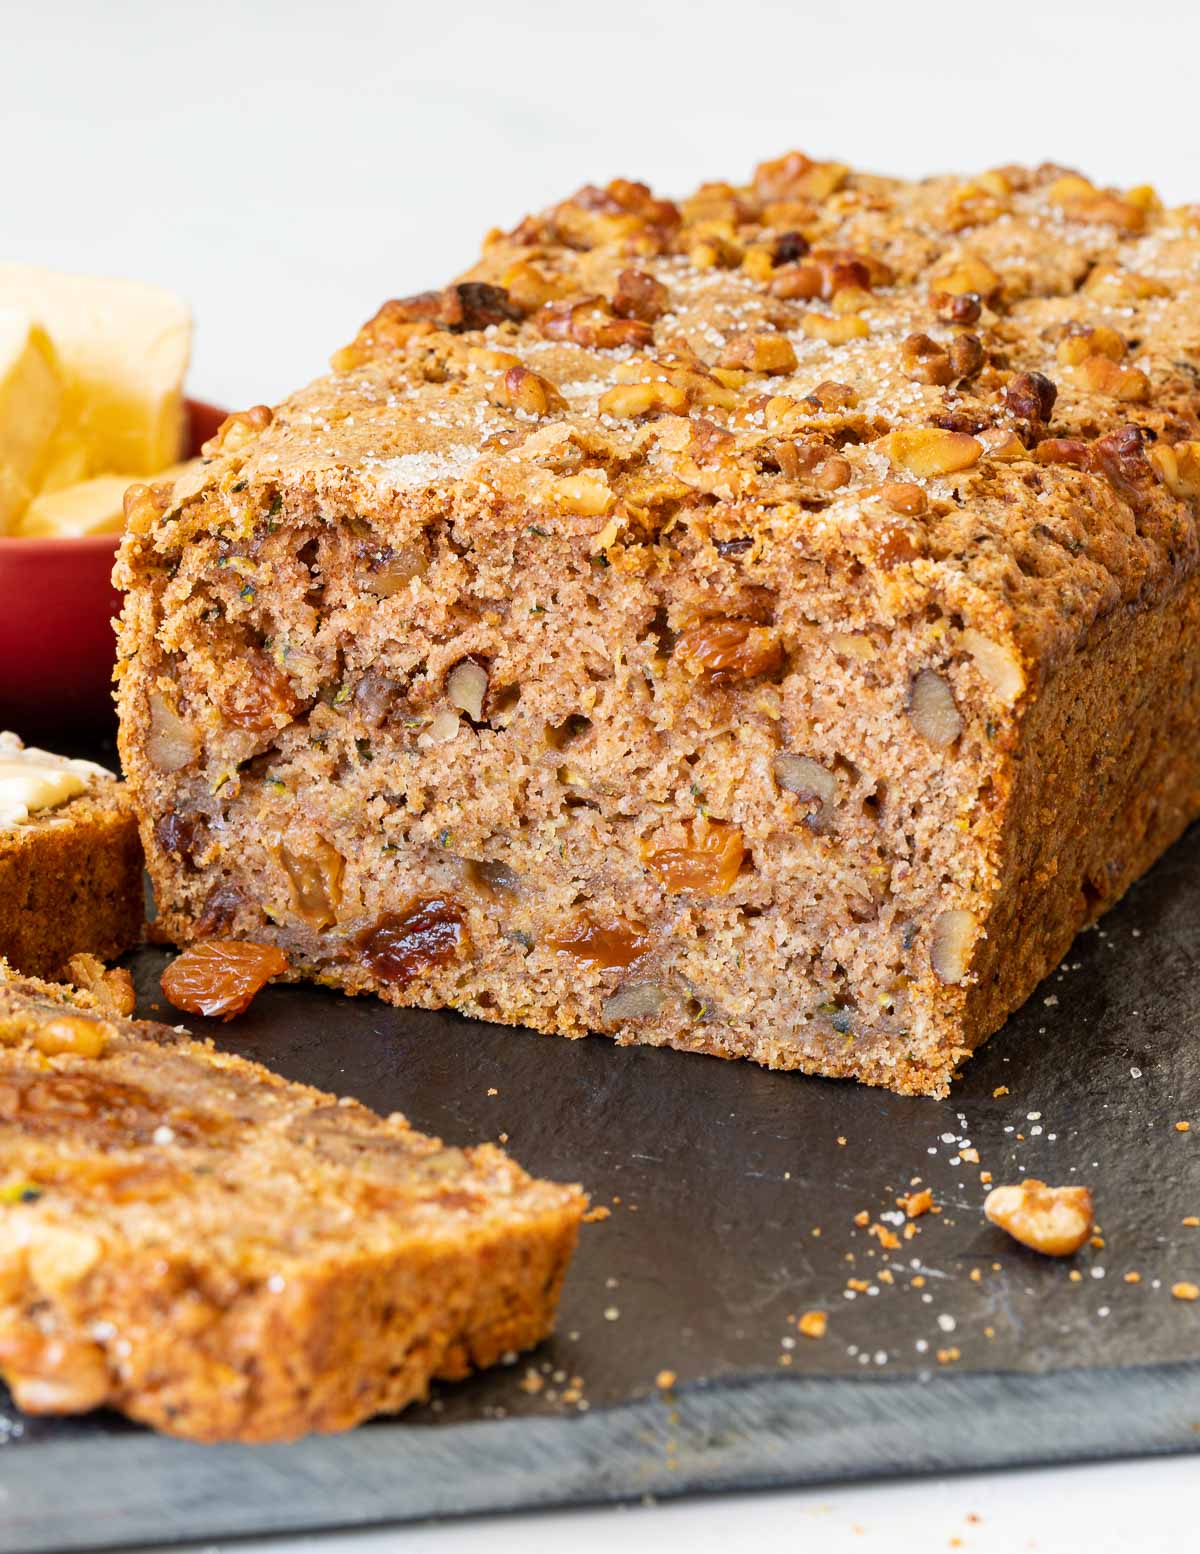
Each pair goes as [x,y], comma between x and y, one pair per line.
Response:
[224,1255]
[765,624]
[71,882]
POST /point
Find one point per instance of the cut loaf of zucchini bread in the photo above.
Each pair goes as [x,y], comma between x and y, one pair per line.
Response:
[765,624]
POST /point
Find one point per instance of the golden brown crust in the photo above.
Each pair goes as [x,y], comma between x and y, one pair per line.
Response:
[71,883]
[779,527]
[227,1256]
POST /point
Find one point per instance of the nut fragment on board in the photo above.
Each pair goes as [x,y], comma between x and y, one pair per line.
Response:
[1055,1221]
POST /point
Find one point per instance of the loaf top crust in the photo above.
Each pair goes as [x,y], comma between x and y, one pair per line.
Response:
[161,1141]
[981,392]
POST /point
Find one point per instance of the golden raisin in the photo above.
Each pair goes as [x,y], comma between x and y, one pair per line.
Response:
[316,882]
[431,932]
[730,649]
[602,944]
[708,866]
[219,977]
[258,695]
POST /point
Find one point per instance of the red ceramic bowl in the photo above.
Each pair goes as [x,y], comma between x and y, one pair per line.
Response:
[57,603]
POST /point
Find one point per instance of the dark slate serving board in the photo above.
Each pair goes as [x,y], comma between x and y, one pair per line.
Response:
[722,1171]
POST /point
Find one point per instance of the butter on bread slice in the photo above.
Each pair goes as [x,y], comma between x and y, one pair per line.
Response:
[31,395]
[123,349]
[95,506]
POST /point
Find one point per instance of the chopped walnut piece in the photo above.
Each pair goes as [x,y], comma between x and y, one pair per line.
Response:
[590,322]
[834,473]
[915,1204]
[1062,450]
[830,396]
[966,356]
[172,743]
[640,296]
[1081,201]
[925,361]
[1121,457]
[1083,340]
[996,662]
[1031,396]
[1179,467]
[928,450]
[835,331]
[963,308]
[950,946]
[469,305]
[112,987]
[1101,375]
[143,505]
[968,276]
[585,495]
[520,389]
[806,778]
[635,1001]
[529,287]
[238,430]
[796,176]
[905,496]
[1055,1221]
[466,687]
[770,353]
[932,710]
[628,400]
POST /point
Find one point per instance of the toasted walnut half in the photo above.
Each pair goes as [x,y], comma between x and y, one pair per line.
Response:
[1055,1221]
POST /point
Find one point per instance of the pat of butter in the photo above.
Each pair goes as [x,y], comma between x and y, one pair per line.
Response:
[95,506]
[123,349]
[31,397]
[33,780]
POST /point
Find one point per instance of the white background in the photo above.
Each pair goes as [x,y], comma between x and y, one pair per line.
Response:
[288,165]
